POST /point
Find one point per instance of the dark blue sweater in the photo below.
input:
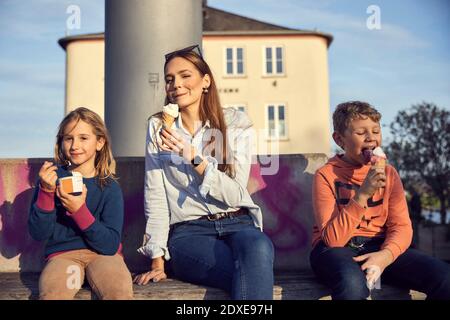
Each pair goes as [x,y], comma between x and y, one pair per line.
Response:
[96,226]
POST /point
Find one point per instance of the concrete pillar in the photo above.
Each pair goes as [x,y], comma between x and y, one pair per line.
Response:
[137,35]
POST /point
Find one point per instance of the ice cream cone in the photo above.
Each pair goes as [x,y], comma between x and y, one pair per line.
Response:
[169,114]
[379,163]
[378,158]
[167,120]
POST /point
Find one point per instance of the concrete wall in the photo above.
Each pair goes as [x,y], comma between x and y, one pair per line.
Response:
[284,197]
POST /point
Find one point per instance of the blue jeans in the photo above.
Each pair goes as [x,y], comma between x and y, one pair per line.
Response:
[230,254]
[413,269]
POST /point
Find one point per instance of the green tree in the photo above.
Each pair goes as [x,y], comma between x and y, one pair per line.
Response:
[420,150]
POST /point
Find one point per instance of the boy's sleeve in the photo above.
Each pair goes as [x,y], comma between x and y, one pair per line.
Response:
[398,224]
[336,226]
[42,216]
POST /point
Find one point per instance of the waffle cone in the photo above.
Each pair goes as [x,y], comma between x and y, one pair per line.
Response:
[167,120]
[379,164]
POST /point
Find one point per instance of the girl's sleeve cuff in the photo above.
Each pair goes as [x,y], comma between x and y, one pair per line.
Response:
[83,217]
[45,200]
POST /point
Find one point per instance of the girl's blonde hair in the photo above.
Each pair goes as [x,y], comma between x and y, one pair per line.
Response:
[103,158]
[210,109]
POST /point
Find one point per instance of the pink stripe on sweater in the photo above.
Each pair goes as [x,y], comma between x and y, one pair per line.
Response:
[45,200]
[83,217]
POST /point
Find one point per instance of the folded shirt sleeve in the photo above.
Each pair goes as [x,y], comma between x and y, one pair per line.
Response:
[208,177]
[220,186]
[155,200]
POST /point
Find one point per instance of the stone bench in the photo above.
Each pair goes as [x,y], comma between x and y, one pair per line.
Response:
[288,286]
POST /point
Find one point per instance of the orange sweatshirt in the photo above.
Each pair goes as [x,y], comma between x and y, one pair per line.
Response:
[338,217]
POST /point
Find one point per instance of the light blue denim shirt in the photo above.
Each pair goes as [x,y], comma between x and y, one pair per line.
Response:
[174,192]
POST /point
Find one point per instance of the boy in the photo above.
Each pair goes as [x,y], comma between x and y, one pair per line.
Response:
[362,225]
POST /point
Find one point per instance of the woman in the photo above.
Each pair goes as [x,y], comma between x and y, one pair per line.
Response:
[200,217]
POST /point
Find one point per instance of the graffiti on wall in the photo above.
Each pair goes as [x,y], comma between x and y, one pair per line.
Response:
[16,190]
[281,198]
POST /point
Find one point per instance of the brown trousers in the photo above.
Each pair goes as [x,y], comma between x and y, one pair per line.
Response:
[64,274]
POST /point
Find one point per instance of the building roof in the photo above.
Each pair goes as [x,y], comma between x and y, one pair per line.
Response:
[219,22]
[63,42]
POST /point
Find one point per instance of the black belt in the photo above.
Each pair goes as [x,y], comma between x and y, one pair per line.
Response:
[223,215]
[360,242]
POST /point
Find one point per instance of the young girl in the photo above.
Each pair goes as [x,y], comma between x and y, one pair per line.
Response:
[200,217]
[83,232]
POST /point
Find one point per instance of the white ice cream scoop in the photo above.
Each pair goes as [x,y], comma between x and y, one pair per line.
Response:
[171,109]
[379,152]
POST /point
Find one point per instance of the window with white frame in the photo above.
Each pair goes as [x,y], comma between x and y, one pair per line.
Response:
[234,61]
[274,60]
[276,121]
[238,106]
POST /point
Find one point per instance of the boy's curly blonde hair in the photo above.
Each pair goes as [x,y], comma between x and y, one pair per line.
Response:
[351,110]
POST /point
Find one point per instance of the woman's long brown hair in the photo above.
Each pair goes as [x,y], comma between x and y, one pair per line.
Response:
[210,109]
[103,158]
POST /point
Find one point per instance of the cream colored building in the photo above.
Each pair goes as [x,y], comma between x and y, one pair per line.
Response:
[278,76]
[85,72]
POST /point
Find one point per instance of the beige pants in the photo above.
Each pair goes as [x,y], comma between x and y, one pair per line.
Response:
[64,274]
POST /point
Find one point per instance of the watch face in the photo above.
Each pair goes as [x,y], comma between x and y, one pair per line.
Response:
[197,160]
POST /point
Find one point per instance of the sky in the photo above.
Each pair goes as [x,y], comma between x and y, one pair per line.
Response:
[403,62]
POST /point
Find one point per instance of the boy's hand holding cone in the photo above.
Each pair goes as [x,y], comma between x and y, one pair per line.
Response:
[377,159]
